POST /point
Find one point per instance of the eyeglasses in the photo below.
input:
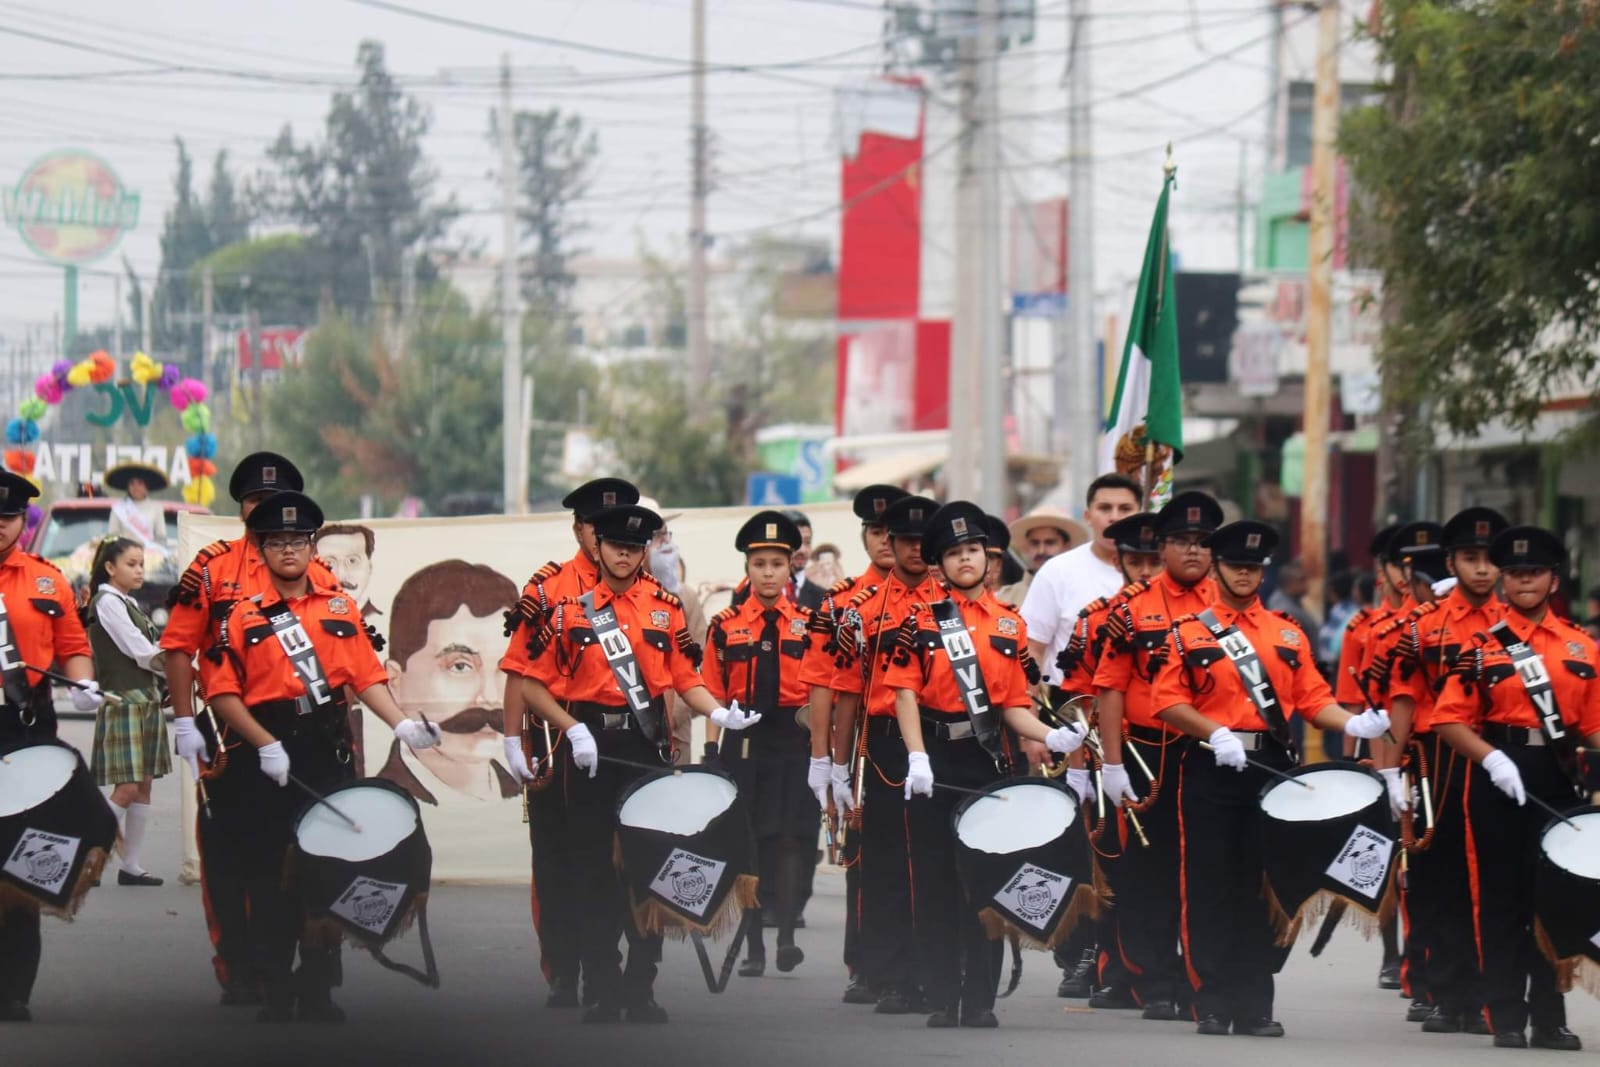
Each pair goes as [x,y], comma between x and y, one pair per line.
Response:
[286,544]
[1185,544]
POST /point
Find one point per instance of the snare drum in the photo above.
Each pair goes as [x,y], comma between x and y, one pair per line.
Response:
[56,828]
[1335,839]
[1025,860]
[370,882]
[1567,895]
[688,855]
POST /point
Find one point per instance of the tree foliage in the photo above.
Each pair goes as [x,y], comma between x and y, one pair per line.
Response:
[556,154]
[194,227]
[1480,164]
[266,275]
[661,446]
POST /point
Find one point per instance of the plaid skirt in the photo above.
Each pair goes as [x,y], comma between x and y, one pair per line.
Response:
[130,740]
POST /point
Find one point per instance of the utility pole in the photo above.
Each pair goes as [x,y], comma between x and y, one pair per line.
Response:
[699,345]
[208,347]
[992,494]
[1078,411]
[514,485]
[965,334]
[146,328]
[1274,158]
[1241,204]
[1319,320]
[116,317]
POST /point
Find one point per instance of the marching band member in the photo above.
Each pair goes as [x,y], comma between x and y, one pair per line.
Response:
[956,660]
[1229,943]
[1521,698]
[277,677]
[598,671]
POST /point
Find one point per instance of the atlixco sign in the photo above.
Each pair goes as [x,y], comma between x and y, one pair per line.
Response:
[70,207]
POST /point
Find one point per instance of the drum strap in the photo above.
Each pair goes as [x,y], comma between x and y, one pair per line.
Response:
[1536,682]
[969,677]
[642,704]
[13,672]
[1242,654]
[296,643]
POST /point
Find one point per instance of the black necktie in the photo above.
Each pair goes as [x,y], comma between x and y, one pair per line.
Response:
[768,677]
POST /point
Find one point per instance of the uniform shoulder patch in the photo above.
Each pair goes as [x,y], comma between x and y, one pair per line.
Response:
[842,586]
[545,573]
[862,595]
[213,550]
[1133,588]
[668,598]
[51,567]
[723,616]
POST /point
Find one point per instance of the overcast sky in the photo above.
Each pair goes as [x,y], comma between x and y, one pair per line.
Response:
[1193,71]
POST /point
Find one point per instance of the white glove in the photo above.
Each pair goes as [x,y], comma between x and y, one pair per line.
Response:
[1078,782]
[418,735]
[1066,739]
[516,759]
[274,762]
[844,798]
[585,753]
[818,774]
[1114,778]
[1399,796]
[86,695]
[919,775]
[1505,776]
[191,745]
[1227,748]
[1369,724]
[733,717]
[1442,587]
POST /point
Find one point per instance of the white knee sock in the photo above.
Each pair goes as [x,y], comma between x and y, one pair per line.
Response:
[122,820]
[133,837]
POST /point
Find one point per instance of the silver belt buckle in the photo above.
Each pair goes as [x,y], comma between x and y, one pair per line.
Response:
[303,705]
[958,731]
[1534,738]
[610,720]
[1250,739]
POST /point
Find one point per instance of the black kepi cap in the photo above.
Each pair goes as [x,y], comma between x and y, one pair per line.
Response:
[872,503]
[285,512]
[1189,512]
[1420,544]
[1136,533]
[1474,527]
[1378,547]
[1244,542]
[768,529]
[1527,547]
[599,494]
[264,472]
[626,525]
[15,492]
[953,524]
[999,534]
[907,516]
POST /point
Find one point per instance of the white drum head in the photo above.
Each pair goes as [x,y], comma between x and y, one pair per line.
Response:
[1029,817]
[1573,851]
[1335,792]
[31,776]
[385,817]
[681,804]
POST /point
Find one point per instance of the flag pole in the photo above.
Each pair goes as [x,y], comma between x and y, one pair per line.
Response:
[1169,170]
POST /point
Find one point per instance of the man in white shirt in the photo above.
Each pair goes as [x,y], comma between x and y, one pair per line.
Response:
[1069,581]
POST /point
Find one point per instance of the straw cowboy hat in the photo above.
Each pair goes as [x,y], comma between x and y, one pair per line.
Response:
[118,477]
[1076,534]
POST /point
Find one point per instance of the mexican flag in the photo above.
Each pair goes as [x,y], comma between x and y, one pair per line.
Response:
[1143,435]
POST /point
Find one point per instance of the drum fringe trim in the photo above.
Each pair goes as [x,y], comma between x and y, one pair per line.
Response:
[1102,884]
[1287,928]
[1087,906]
[328,932]
[651,917]
[1571,971]
[93,866]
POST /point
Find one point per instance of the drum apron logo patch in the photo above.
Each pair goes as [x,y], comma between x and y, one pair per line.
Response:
[43,860]
[369,903]
[1363,862]
[1034,895]
[688,881]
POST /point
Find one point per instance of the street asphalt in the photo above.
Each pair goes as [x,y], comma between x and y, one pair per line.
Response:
[130,982]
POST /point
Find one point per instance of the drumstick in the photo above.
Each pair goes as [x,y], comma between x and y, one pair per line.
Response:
[109,698]
[1270,770]
[640,766]
[1551,809]
[325,802]
[970,792]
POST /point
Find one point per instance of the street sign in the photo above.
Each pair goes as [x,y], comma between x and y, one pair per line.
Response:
[1038,305]
[70,207]
[766,490]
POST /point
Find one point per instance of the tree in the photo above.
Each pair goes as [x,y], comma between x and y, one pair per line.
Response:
[1479,166]
[555,162]
[193,229]
[266,275]
[226,219]
[660,444]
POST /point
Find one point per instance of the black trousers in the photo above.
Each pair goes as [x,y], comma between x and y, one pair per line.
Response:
[222,829]
[1518,983]
[850,856]
[277,915]
[20,944]
[1441,959]
[1144,880]
[886,942]
[555,900]
[1228,939]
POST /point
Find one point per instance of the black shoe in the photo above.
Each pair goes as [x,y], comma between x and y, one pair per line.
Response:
[1558,1038]
[563,993]
[1440,1021]
[983,1019]
[240,996]
[1510,1039]
[14,1011]
[769,921]
[790,957]
[1112,998]
[1389,976]
[602,1013]
[124,878]
[1262,1027]
[799,922]
[1078,983]
[1420,1011]
[648,1012]
[319,1009]
[754,967]
[859,992]
[1213,1026]
[893,1003]
[1160,1011]
[943,1020]
[276,1013]
[1474,1023]
[590,997]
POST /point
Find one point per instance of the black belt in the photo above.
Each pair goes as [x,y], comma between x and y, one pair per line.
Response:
[883,726]
[1514,736]
[282,718]
[947,725]
[604,716]
[1148,734]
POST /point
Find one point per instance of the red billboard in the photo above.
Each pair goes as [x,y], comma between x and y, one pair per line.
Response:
[281,346]
[880,196]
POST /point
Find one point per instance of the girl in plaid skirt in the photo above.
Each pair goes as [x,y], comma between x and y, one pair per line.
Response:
[130,738]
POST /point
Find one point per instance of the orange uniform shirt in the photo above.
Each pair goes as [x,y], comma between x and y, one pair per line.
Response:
[874,615]
[1427,643]
[549,586]
[734,652]
[822,655]
[1201,675]
[1135,641]
[1347,685]
[41,612]
[566,657]
[1081,655]
[256,668]
[1486,687]
[220,575]
[918,660]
